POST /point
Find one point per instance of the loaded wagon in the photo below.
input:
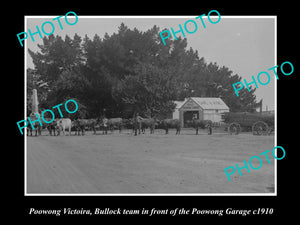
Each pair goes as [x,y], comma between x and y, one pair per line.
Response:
[259,123]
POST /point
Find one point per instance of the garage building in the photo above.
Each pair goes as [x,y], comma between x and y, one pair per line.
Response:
[201,108]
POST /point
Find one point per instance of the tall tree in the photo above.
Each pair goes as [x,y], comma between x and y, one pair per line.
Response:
[150,90]
[130,70]
[56,55]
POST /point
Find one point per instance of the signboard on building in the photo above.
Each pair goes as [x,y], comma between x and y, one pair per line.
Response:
[190,104]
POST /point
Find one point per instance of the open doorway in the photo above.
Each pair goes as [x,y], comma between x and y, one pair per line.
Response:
[188,116]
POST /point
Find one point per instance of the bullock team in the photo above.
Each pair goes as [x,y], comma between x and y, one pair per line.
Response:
[137,124]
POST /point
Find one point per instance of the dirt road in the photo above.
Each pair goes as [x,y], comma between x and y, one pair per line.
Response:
[158,163]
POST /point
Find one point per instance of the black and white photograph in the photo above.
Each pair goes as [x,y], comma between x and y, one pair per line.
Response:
[165,115]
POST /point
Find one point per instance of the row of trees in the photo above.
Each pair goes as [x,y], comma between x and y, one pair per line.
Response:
[128,71]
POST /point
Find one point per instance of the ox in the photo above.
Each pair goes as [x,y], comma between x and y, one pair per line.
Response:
[37,128]
[195,123]
[51,127]
[82,124]
[171,123]
[113,123]
[148,123]
[63,124]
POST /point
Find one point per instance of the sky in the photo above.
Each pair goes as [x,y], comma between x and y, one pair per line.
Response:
[246,45]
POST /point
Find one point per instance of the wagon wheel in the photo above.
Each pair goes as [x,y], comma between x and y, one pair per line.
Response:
[271,129]
[260,128]
[234,128]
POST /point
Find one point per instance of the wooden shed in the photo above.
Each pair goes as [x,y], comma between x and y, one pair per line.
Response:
[200,108]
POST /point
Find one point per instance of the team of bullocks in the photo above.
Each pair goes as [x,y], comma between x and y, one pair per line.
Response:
[137,123]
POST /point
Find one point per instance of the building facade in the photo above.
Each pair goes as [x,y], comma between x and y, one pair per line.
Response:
[200,108]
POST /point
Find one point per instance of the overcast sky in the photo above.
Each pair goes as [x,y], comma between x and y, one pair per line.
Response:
[246,45]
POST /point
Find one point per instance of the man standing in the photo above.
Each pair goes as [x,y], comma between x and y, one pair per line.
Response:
[105,125]
[137,123]
[209,129]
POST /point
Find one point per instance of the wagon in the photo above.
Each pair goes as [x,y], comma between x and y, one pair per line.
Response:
[260,124]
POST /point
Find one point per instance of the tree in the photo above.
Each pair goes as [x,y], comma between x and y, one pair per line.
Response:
[149,91]
[127,71]
[56,55]
[212,81]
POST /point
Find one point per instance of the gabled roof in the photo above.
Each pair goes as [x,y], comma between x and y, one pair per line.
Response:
[208,103]
[179,104]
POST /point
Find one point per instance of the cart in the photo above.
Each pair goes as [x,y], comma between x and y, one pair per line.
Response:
[259,123]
